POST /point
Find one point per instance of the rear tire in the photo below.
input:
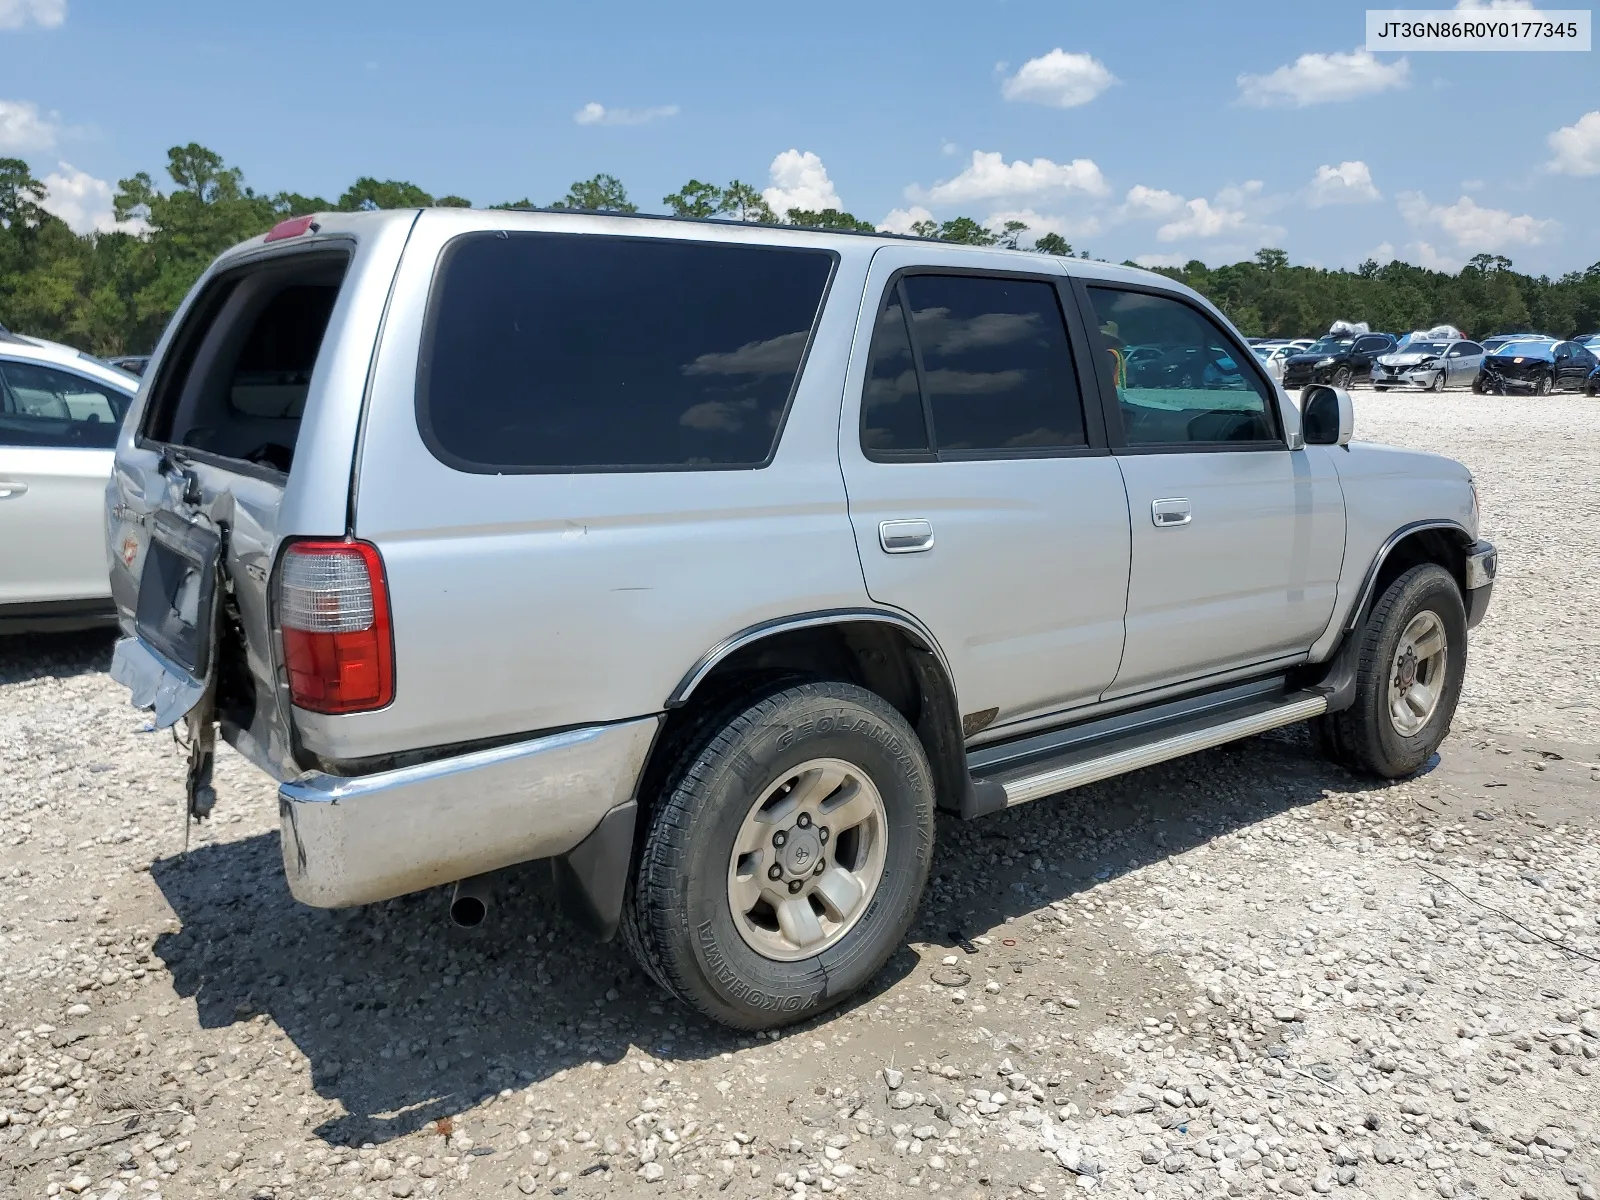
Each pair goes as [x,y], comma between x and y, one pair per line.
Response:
[760,792]
[1412,659]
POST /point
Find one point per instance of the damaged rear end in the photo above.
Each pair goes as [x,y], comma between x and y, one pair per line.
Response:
[236,462]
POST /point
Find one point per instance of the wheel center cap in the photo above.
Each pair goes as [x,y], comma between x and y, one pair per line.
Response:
[800,852]
[1408,671]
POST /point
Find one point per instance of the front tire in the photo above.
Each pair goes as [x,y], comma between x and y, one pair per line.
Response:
[1542,388]
[1342,378]
[1438,382]
[786,856]
[1412,660]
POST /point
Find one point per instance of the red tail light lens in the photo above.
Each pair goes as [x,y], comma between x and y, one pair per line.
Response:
[338,643]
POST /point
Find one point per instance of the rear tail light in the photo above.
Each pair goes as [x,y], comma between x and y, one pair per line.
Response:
[333,610]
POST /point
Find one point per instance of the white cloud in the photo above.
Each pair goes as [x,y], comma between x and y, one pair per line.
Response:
[1058,79]
[990,177]
[1142,201]
[1234,195]
[1149,261]
[948,147]
[84,202]
[799,180]
[1203,221]
[1433,260]
[1321,78]
[18,14]
[1474,227]
[1348,183]
[598,114]
[1039,223]
[900,220]
[1382,253]
[1577,146]
[24,127]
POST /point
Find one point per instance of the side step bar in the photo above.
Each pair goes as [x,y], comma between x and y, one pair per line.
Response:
[1117,754]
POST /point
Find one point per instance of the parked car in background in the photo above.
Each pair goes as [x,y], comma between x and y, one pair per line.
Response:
[60,412]
[134,364]
[1272,357]
[1492,344]
[1431,365]
[1538,368]
[696,586]
[1340,359]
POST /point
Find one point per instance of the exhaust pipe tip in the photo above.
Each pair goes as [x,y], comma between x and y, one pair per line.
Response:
[469,903]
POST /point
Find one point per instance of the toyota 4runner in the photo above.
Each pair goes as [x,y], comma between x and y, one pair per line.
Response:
[708,560]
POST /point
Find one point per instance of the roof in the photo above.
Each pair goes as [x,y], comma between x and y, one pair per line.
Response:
[54,354]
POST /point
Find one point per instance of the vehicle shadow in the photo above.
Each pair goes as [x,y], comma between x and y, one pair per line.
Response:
[405,1019]
[25,656]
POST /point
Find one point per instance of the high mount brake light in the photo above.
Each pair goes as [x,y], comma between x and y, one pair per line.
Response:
[338,642]
[293,227]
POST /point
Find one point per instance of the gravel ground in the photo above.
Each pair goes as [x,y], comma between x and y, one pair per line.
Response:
[1246,972]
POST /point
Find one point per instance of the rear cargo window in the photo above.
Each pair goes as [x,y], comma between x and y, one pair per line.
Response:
[573,352]
[234,384]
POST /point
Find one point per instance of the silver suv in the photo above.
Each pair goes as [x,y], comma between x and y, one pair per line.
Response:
[708,560]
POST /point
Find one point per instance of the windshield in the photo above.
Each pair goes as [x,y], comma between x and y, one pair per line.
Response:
[1427,347]
[1331,346]
[1526,350]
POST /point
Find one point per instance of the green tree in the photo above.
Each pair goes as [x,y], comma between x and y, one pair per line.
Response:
[523,203]
[368,195]
[967,232]
[695,199]
[452,202]
[928,228]
[1271,260]
[828,218]
[744,203]
[1007,237]
[1052,243]
[602,194]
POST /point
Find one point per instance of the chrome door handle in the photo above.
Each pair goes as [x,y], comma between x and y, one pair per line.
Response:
[1174,510]
[9,489]
[905,537]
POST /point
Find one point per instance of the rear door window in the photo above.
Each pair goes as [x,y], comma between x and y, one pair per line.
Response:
[991,373]
[44,406]
[574,352]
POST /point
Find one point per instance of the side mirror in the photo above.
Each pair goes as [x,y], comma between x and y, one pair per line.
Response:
[1327,415]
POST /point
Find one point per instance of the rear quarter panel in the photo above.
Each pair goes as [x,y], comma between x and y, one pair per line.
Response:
[529,602]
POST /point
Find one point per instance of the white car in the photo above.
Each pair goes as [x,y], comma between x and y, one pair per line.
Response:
[60,412]
[1433,365]
[1272,356]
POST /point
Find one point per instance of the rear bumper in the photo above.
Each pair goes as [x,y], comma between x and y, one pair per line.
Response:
[1482,562]
[357,840]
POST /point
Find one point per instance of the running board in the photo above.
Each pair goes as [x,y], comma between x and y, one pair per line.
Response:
[1138,748]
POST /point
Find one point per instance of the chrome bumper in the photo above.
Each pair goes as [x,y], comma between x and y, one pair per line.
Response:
[356,840]
[1482,563]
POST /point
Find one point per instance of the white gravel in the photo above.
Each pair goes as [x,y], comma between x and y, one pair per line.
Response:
[1243,974]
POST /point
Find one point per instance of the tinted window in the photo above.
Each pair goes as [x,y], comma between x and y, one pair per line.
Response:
[995,363]
[563,352]
[1177,379]
[1470,348]
[1372,345]
[41,406]
[892,420]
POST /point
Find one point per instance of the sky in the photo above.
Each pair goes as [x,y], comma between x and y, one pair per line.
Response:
[1159,132]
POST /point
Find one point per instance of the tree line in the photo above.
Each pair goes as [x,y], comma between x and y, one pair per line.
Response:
[112,292]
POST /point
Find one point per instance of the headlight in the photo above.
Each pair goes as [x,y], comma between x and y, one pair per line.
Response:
[1324,362]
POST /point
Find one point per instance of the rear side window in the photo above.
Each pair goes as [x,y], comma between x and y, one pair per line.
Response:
[43,406]
[991,373]
[574,352]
